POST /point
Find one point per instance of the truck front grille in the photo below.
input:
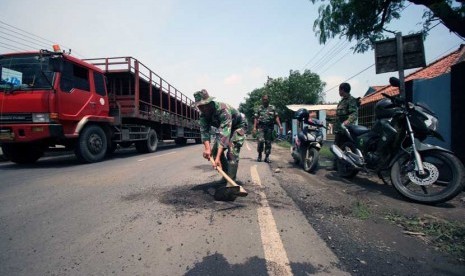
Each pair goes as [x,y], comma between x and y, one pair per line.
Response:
[12,118]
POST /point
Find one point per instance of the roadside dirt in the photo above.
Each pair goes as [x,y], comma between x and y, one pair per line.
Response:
[372,229]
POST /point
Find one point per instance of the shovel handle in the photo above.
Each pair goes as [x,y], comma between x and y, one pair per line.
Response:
[229,179]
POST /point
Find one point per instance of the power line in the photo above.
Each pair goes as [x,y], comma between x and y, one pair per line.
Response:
[15,41]
[332,64]
[11,47]
[350,78]
[443,53]
[374,65]
[331,55]
[34,37]
[310,60]
[41,45]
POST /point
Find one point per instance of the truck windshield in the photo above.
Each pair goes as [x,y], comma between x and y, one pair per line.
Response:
[25,72]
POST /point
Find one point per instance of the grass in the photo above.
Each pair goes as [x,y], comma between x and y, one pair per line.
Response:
[325,152]
[284,144]
[445,235]
[360,210]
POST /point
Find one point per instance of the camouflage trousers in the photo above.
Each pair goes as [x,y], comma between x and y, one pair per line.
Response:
[231,154]
[264,137]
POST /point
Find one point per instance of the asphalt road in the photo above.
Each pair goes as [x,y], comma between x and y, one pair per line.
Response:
[152,214]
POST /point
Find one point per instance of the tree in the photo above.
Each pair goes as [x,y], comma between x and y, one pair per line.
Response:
[366,21]
[306,88]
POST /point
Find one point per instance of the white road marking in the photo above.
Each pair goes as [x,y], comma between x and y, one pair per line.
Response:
[143,159]
[277,262]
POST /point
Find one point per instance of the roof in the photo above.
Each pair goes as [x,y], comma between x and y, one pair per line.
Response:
[373,89]
[436,68]
[312,107]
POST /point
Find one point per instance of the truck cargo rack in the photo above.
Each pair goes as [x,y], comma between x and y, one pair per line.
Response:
[143,94]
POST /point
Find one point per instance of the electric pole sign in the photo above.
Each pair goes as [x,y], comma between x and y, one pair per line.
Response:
[398,54]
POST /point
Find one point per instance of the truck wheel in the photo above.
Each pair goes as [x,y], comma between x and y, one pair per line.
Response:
[149,145]
[92,144]
[22,154]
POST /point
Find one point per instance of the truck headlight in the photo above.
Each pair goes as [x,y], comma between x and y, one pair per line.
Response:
[40,118]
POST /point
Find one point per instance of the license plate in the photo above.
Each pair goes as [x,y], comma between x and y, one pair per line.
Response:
[7,136]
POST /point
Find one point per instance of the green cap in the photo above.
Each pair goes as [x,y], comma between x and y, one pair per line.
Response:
[201,97]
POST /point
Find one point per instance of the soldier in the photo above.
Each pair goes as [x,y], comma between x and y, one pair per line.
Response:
[264,118]
[231,132]
[346,114]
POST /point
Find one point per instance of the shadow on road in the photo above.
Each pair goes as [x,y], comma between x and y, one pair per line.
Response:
[217,264]
[64,158]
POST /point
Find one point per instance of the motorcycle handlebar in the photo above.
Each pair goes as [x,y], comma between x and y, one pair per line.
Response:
[397,100]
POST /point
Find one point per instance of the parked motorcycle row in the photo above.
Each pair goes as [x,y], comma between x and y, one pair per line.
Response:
[394,149]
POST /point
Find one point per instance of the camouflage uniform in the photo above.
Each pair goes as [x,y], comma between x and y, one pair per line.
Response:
[230,134]
[347,109]
[266,117]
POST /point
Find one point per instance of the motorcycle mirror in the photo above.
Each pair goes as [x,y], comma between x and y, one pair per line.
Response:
[394,81]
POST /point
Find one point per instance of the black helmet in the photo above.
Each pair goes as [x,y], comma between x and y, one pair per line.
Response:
[384,109]
[301,114]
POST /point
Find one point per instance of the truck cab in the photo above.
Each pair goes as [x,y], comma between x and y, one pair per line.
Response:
[50,98]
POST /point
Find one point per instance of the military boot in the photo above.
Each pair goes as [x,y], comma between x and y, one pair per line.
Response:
[232,169]
[267,158]
[259,158]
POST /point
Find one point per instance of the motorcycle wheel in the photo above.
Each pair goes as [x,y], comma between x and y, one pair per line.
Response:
[310,159]
[444,179]
[344,170]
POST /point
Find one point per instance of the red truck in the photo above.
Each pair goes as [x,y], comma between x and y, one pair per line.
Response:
[51,98]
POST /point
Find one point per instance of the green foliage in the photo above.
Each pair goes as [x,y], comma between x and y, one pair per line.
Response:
[361,210]
[284,144]
[325,152]
[448,236]
[306,88]
[366,21]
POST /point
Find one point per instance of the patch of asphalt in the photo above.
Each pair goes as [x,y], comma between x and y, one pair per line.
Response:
[368,247]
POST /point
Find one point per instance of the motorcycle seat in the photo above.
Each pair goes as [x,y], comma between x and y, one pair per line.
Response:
[357,130]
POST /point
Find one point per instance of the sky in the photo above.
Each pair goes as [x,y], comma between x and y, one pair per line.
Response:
[226,47]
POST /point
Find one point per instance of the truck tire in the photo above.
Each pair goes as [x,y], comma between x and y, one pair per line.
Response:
[22,154]
[92,144]
[149,145]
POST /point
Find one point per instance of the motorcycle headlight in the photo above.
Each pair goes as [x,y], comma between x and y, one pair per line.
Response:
[431,122]
[40,118]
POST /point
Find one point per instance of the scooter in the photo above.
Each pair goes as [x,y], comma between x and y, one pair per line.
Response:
[308,142]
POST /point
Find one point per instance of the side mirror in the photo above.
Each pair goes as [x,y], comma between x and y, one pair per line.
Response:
[56,64]
[394,81]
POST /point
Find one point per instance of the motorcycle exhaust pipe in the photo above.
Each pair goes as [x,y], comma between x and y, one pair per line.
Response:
[342,156]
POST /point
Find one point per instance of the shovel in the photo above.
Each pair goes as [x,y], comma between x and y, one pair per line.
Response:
[231,191]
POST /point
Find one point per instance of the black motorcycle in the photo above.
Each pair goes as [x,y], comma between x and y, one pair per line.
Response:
[308,142]
[394,146]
